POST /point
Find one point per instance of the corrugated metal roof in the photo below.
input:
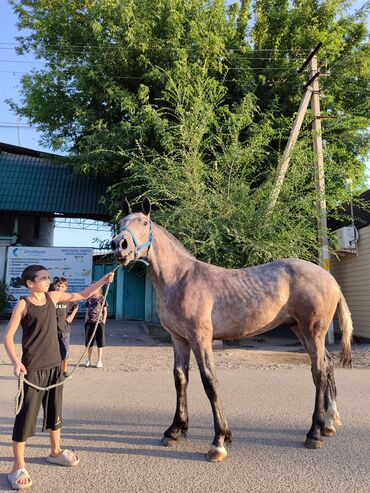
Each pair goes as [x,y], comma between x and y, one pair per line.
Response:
[42,183]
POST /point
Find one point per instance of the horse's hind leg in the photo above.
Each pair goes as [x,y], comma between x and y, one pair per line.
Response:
[181,375]
[332,418]
[204,356]
[316,349]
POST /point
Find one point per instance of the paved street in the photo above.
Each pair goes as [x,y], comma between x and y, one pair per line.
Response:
[114,419]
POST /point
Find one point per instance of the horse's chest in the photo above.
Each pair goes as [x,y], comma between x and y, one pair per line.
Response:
[169,309]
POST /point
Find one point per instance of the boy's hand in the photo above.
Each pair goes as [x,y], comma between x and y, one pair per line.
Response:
[108,278]
[69,320]
[19,368]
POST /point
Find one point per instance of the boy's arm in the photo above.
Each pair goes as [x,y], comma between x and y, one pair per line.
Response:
[105,313]
[84,294]
[17,315]
[72,315]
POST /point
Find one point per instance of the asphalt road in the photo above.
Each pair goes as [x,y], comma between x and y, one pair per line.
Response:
[114,420]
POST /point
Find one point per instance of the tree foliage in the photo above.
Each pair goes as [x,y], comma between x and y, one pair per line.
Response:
[191,102]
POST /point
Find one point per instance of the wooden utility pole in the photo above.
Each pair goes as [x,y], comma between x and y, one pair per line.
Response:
[319,177]
[283,166]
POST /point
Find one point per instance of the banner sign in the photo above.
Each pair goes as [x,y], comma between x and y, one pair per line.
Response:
[73,263]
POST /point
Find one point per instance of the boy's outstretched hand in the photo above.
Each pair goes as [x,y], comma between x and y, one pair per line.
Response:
[108,278]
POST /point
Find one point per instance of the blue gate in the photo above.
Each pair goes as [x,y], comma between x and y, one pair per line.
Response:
[134,293]
[126,297]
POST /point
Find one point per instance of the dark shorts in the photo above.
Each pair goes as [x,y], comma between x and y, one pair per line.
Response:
[51,400]
[63,338]
[99,334]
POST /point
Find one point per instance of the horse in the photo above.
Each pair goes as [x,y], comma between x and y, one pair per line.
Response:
[199,302]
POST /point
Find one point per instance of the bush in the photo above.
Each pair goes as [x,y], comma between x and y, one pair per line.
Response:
[3,299]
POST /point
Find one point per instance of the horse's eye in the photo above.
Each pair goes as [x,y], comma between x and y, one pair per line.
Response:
[145,223]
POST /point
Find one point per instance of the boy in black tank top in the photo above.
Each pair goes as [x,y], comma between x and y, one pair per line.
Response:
[41,362]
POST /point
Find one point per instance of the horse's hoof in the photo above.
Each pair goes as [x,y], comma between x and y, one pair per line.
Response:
[313,443]
[216,454]
[328,432]
[169,441]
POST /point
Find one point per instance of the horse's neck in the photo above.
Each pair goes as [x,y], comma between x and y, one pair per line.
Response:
[168,262]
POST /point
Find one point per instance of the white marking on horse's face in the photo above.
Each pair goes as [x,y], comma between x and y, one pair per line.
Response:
[123,245]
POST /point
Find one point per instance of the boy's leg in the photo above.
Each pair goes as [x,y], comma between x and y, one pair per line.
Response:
[55,449]
[19,463]
[100,340]
[89,329]
[25,421]
[89,352]
[18,451]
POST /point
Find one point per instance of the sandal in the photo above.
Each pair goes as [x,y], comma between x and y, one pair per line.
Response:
[65,458]
[15,476]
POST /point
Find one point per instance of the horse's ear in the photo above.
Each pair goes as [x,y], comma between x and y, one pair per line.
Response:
[126,209]
[146,206]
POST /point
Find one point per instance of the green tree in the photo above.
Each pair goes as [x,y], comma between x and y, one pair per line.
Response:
[191,102]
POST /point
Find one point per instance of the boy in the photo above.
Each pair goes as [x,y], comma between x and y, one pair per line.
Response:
[54,283]
[41,362]
[93,310]
[66,312]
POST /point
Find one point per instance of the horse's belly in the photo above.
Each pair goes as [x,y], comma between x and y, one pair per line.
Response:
[247,325]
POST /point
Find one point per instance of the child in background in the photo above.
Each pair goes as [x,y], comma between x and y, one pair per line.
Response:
[66,312]
[54,283]
[93,310]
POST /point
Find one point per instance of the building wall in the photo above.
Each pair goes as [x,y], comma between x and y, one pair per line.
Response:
[32,230]
[36,231]
[353,275]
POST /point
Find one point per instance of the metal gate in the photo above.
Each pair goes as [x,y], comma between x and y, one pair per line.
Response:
[134,293]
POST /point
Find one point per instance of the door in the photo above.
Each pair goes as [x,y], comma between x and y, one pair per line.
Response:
[134,293]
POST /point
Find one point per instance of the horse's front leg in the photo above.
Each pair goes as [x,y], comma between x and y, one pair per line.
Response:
[204,355]
[181,374]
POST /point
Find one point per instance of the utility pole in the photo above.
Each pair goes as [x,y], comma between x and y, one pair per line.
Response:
[283,167]
[320,177]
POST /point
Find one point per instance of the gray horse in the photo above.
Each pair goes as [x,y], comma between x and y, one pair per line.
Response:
[199,302]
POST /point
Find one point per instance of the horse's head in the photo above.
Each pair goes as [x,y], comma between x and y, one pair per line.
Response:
[136,234]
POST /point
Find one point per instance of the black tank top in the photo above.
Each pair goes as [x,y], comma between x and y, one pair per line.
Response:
[40,341]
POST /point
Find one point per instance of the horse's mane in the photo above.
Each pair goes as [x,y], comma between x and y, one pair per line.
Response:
[174,240]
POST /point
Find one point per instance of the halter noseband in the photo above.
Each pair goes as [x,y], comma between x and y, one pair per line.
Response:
[136,243]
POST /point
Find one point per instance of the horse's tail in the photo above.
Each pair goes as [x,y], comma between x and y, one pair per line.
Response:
[345,322]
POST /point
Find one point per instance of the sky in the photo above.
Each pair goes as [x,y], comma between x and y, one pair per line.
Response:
[12,67]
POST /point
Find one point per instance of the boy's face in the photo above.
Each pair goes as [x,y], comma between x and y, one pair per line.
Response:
[61,286]
[41,283]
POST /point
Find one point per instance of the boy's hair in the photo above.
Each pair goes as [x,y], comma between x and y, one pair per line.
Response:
[62,280]
[30,273]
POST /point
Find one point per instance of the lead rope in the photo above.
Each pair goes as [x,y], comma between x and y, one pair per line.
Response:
[22,379]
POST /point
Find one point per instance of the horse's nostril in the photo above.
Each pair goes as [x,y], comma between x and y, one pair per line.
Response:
[113,245]
[123,244]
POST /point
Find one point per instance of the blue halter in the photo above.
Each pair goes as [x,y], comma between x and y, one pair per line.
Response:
[139,247]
